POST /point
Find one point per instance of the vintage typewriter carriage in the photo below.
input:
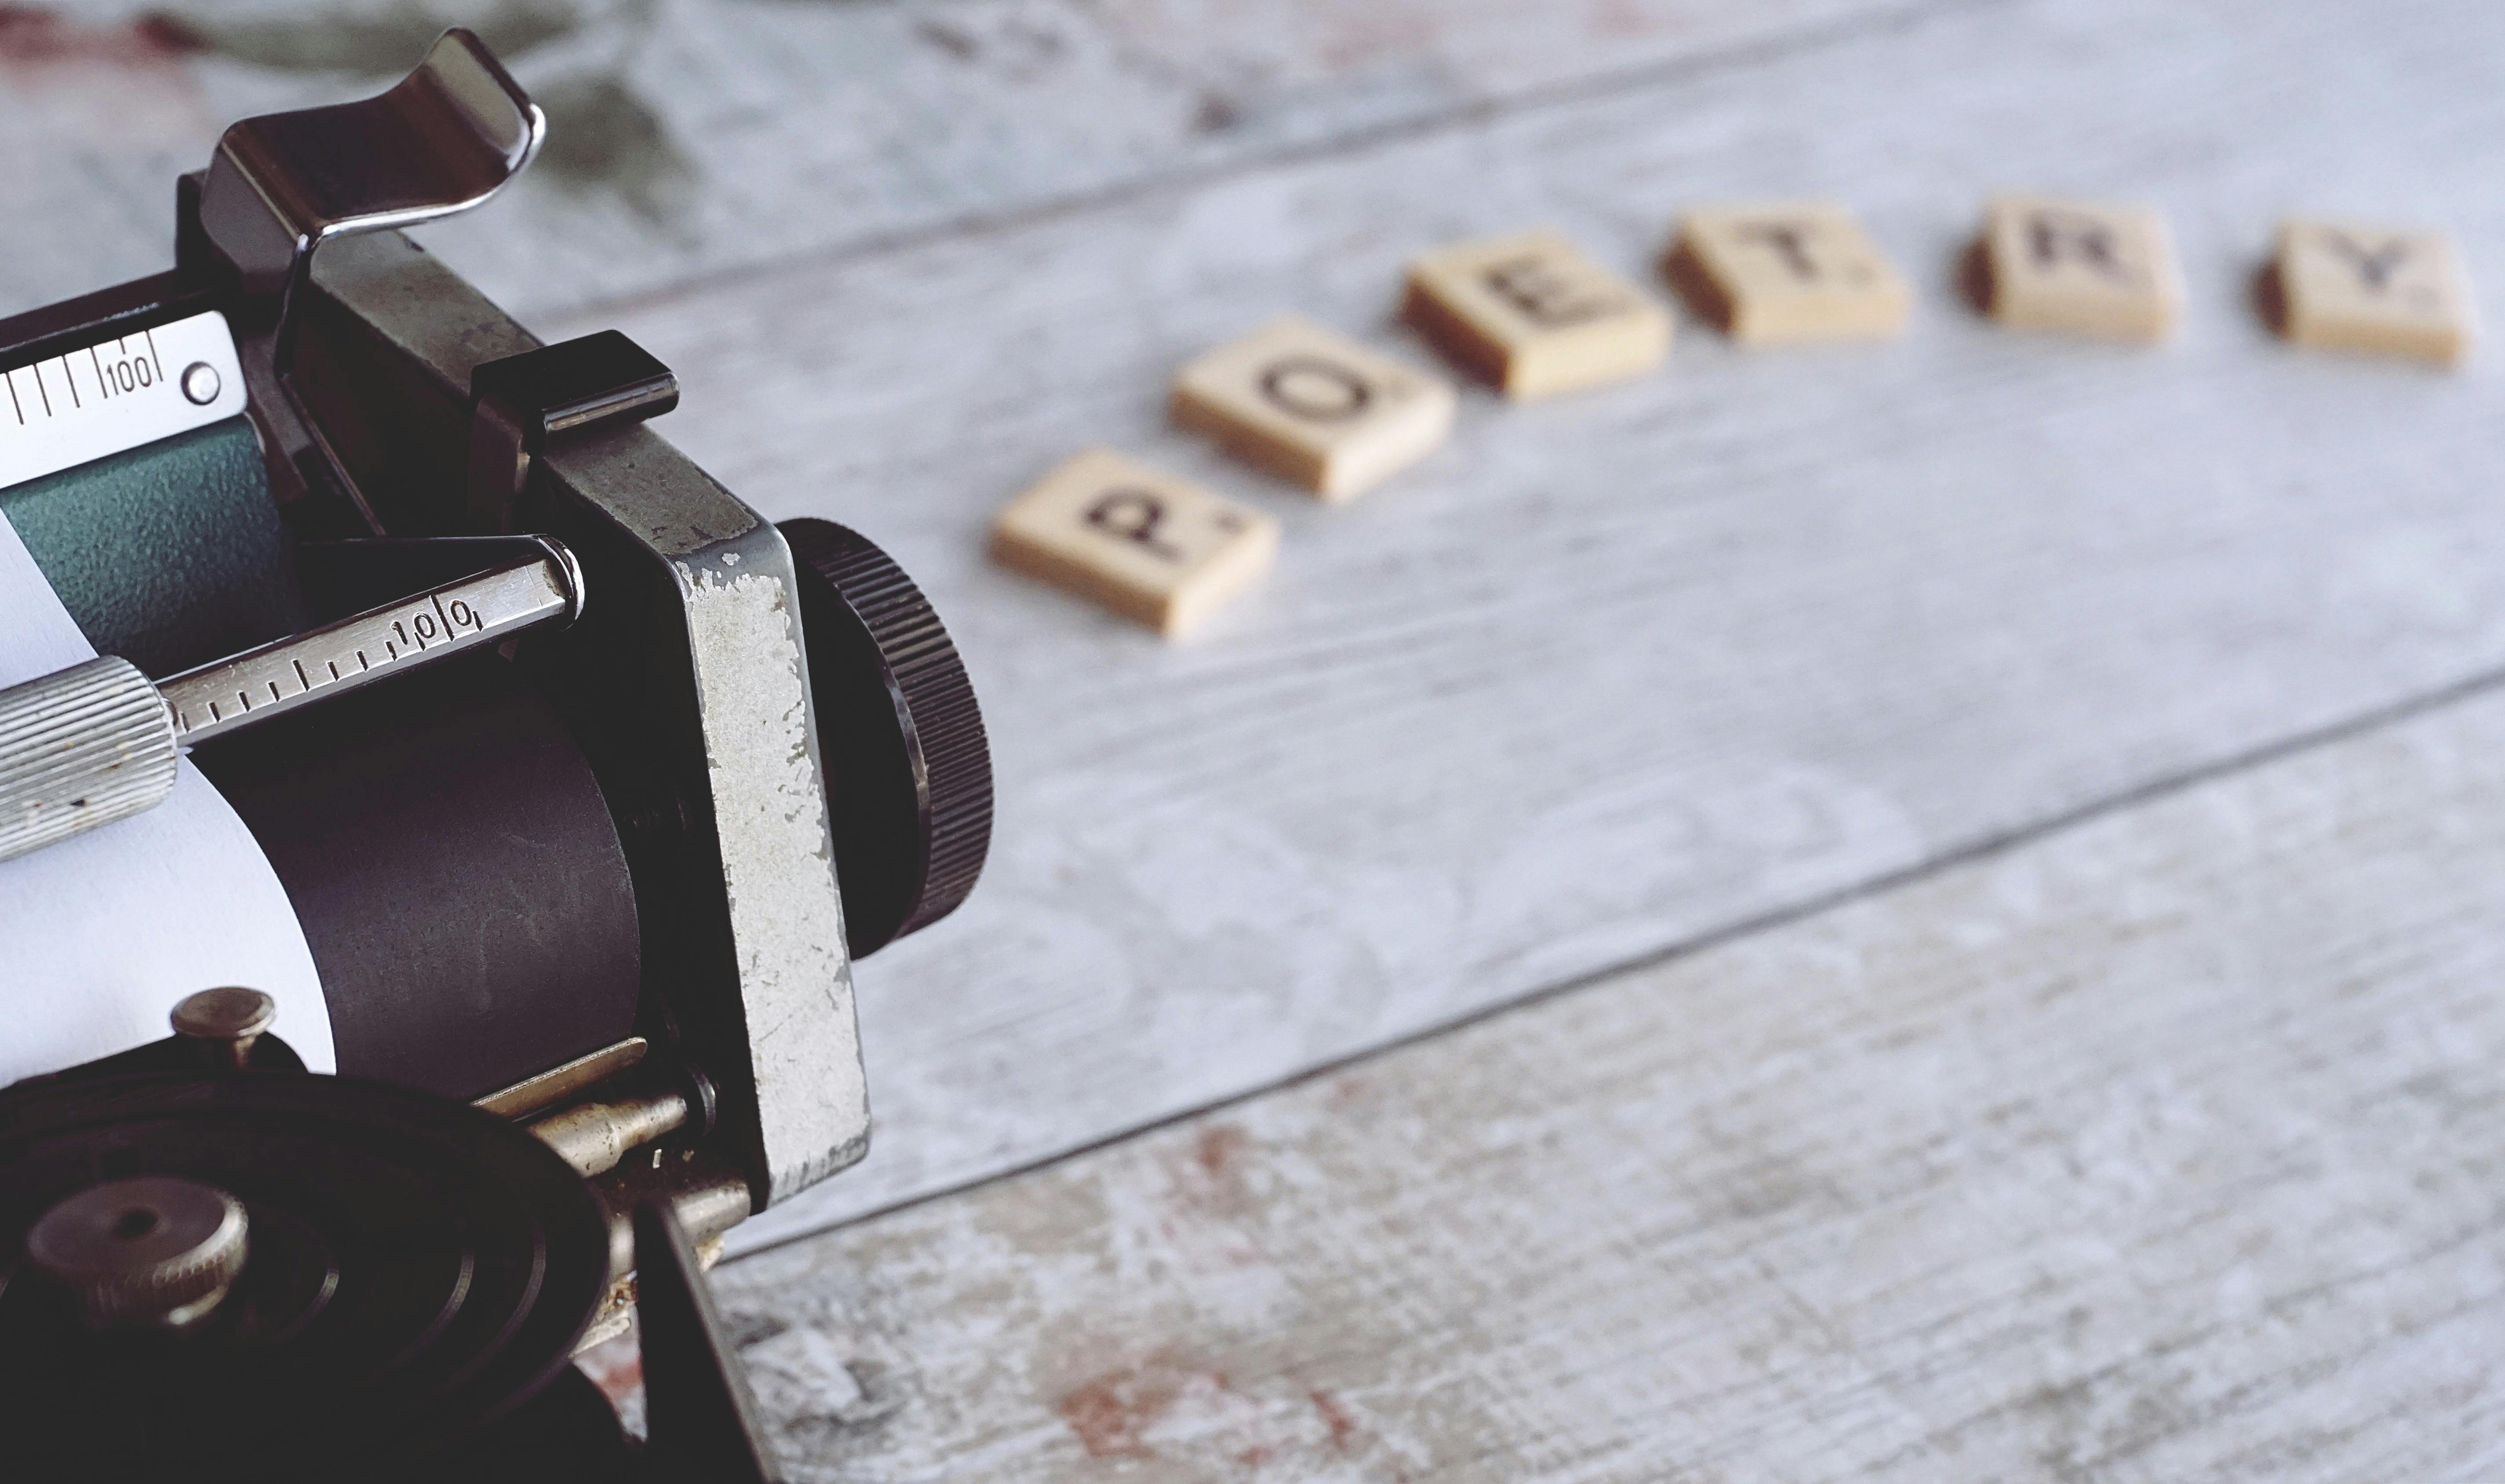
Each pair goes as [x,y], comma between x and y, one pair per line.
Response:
[606,875]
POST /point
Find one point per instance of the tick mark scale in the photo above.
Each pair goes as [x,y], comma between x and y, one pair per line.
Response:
[117,392]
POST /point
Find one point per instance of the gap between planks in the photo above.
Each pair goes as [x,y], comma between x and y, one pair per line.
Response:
[1982,848]
[1154,184]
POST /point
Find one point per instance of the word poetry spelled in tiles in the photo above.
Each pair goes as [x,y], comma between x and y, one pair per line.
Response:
[1787,273]
[1142,543]
[1529,313]
[2384,290]
[2081,267]
[1314,406]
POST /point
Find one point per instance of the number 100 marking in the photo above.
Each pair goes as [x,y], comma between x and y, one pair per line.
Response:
[425,628]
[128,372]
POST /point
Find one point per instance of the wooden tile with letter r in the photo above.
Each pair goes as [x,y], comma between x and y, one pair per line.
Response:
[2388,290]
[1786,272]
[1142,543]
[2083,268]
[1314,406]
[1529,313]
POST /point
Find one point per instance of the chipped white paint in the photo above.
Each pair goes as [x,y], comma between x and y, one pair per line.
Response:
[786,917]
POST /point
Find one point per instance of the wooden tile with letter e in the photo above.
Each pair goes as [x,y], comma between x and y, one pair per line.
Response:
[1145,544]
[1314,406]
[1531,315]
[2082,267]
[1787,273]
[2388,290]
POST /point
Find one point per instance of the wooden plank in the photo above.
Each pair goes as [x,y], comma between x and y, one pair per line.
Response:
[2160,1149]
[1616,672]
[710,135]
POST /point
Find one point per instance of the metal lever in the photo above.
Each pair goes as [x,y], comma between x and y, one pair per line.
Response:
[98,741]
[443,140]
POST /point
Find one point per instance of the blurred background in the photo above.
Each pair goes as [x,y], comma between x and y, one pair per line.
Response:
[1682,667]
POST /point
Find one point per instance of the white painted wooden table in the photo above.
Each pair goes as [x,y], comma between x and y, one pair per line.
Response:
[1916,911]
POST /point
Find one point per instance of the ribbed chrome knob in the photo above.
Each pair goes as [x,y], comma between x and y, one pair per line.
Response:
[79,748]
[153,1251]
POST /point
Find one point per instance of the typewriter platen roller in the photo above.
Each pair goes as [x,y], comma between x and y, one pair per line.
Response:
[585,784]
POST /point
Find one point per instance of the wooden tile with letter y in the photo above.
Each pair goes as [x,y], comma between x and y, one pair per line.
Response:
[2385,289]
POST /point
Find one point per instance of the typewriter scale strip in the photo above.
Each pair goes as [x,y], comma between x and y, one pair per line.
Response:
[1779,525]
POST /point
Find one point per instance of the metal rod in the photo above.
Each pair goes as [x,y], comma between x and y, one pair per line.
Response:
[228,695]
[97,742]
[593,1137]
[545,1089]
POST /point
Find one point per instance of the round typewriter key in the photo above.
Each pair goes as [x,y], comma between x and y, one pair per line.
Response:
[416,1269]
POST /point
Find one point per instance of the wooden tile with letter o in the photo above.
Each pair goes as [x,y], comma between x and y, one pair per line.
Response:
[2082,267]
[1531,315]
[1145,544]
[1314,406]
[2388,290]
[1786,272]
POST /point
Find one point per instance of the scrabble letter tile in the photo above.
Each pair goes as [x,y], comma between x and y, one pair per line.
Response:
[1787,273]
[2388,290]
[2081,267]
[1144,544]
[1531,315]
[1314,406]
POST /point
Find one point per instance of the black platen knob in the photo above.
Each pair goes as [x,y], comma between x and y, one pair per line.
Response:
[908,771]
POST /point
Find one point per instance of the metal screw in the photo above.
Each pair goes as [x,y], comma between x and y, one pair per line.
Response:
[201,383]
[151,1251]
[224,1023]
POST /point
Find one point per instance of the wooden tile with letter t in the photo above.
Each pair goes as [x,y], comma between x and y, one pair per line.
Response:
[1144,544]
[2350,287]
[2083,268]
[1314,406]
[1531,315]
[1787,273]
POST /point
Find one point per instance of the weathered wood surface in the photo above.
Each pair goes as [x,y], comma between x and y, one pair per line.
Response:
[692,137]
[1621,671]
[2160,1149]
[1613,674]
[2150,1150]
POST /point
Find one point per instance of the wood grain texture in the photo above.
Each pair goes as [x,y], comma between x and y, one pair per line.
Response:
[1608,675]
[693,137]
[1615,672]
[2163,1149]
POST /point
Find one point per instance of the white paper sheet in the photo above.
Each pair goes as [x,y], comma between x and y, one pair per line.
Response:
[101,934]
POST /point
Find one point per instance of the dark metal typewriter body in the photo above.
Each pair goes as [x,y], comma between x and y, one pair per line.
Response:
[583,891]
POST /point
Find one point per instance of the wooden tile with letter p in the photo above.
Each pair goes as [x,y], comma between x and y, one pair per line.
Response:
[2081,267]
[2379,289]
[1786,272]
[1314,406]
[1531,315]
[1145,544]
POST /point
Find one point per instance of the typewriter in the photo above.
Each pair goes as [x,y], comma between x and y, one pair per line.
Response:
[585,786]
